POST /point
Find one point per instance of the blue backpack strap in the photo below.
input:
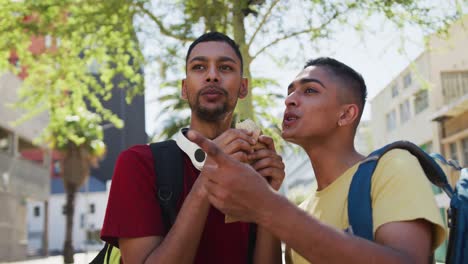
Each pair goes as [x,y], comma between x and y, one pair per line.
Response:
[457,249]
[359,198]
[169,168]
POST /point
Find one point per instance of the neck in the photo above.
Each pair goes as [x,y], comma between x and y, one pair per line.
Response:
[330,159]
[211,129]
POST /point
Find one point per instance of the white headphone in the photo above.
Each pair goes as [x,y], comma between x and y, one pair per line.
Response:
[195,153]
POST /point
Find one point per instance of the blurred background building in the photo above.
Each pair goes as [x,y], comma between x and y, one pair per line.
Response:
[427,103]
[32,196]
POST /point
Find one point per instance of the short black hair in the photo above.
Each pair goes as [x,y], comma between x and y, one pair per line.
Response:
[220,37]
[348,75]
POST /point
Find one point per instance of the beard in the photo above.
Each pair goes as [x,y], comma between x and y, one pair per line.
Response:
[211,114]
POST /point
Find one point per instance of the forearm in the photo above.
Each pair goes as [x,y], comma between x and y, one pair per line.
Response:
[267,247]
[320,243]
[181,243]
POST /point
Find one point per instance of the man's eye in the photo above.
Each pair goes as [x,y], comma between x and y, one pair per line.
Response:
[198,67]
[225,68]
[310,90]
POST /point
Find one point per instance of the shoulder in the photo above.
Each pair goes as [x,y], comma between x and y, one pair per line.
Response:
[136,152]
[397,157]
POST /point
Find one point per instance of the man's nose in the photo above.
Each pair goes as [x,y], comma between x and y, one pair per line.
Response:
[212,75]
[291,100]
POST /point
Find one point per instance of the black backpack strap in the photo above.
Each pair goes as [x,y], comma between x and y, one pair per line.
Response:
[359,199]
[101,256]
[252,241]
[169,168]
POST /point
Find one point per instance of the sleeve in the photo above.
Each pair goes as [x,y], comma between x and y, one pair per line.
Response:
[132,207]
[401,192]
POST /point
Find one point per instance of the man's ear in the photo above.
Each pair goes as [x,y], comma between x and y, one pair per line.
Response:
[184,90]
[244,89]
[348,115]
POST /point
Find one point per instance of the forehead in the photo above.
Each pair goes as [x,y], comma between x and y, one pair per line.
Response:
[213,49]
[314,72]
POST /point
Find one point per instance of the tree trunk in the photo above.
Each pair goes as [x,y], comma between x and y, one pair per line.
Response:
[68,250]
[245,106]
[76,166]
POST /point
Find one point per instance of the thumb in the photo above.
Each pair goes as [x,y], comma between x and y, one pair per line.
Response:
[210,148]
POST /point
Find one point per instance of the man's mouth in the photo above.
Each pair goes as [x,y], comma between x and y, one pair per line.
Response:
[289,119]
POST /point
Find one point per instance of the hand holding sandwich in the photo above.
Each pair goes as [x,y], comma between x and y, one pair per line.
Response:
[236,188]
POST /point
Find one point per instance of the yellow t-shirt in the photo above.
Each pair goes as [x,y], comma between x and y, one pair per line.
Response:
[400,191]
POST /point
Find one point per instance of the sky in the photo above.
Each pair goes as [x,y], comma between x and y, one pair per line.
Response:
[379,56]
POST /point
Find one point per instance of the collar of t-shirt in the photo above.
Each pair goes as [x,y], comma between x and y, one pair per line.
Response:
[196,154]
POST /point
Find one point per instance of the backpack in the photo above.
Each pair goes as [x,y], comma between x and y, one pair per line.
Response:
[168,163]
[360,204]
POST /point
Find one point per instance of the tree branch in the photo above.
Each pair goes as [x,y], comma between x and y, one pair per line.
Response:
[161,26]
[297,33]
[265,18]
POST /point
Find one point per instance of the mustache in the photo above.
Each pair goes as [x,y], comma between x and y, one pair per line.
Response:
[212,88]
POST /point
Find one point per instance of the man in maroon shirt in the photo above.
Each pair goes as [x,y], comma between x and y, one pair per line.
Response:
[133,220]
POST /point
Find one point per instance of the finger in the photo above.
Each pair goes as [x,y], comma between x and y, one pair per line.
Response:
[238,145]
[240,156]
[233,134]
[273,176]
[266,158]
[267,141]
[208,146]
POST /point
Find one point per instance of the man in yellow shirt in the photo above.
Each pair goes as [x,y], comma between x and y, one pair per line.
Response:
[323,109]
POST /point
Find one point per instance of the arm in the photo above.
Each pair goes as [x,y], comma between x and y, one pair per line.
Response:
[397,242]
[237,192]
[269,165]
[181,242]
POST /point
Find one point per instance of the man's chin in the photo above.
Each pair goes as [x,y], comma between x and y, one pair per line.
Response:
[211,116]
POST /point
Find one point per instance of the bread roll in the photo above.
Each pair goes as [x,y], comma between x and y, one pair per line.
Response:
[250,126]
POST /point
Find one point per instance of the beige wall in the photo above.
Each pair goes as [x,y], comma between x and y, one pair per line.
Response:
[450,54]
[29,130]
[20,179]
[442,55]
[418,128]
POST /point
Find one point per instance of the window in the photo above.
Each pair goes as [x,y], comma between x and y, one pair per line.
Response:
[465,151]
[92,208]
[82,220]
[454,85]
[407,80]
[5,140]
[391,120]
[394,90]
[405,112]
[37,211]
[421,101]
[453,151]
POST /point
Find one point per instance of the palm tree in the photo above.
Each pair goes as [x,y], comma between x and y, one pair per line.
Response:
[80,141]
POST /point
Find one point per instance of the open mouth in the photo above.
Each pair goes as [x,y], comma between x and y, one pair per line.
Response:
[289,119]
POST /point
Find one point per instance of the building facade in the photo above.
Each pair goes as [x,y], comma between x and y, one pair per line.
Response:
[90,207]
[427,104]
[21,180]
[31,217]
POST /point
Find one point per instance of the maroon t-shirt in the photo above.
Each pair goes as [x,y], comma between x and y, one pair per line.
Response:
[133,210]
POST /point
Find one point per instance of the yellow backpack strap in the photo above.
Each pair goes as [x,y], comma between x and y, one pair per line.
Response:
[112,255]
